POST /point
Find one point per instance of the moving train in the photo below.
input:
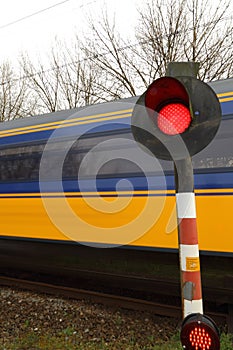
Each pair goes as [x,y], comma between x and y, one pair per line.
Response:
[77,177]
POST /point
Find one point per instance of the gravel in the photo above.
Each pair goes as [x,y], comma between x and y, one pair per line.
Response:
[25,312]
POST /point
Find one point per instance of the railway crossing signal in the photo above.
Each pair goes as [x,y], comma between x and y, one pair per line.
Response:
[175,118]
[199,332]
[174,112]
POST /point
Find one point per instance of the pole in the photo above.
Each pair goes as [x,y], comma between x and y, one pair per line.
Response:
[190,274]
[191,291]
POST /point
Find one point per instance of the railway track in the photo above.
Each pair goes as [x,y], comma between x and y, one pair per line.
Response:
[162,307]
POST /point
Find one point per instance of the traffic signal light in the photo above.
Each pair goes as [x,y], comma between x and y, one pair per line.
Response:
[199,332]
[176,112]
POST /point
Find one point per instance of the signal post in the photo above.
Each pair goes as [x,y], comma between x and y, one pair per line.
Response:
[191,289]
[175,118]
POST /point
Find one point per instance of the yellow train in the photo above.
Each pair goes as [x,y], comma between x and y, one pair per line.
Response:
[78,176]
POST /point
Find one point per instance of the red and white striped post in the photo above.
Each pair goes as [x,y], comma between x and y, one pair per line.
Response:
[188,239]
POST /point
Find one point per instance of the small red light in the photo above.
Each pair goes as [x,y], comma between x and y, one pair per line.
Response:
[199,332]
[200,339]
[174,118]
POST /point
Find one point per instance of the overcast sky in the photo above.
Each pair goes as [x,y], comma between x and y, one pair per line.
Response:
[30,25]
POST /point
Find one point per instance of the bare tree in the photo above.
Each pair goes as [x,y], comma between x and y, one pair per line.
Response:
[193,30]
[103,66]
[15,101]
[107,50]
[43,83]
[172,30]
[66,80]
[78,75]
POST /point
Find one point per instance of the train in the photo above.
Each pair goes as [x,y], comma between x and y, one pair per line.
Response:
[78,178]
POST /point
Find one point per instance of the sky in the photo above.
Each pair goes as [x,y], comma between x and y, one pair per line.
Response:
[29,25]
[32,25]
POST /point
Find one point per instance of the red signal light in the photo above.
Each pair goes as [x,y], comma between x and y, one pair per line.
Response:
[175,116]
[174,119]
[199,332]
[168,97]
[199,338]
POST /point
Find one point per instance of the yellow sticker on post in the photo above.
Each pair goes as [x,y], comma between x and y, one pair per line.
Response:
[192,264]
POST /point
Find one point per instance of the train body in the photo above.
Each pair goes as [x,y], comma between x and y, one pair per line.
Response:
[79,177]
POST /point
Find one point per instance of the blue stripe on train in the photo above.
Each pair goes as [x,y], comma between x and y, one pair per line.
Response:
[74,132]
[227,108]
[202,181]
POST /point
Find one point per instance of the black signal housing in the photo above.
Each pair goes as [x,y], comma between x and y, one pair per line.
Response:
[188,124]
[199,332]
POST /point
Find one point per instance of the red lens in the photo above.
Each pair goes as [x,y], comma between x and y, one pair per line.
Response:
[199,332]
[174,119]
[200,339]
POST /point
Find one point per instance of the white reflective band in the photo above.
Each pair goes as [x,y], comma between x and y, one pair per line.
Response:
[186,207]
[189,256]
[193,306]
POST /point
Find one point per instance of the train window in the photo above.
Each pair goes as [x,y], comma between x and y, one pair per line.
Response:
[219,153]
[213,162]
[87,157]
[20,163]
[104,156]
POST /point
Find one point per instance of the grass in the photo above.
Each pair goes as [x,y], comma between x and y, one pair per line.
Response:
[69,340]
